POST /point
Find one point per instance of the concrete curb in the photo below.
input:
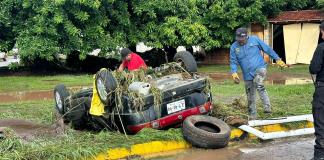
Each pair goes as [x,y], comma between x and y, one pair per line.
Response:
[164,146]
[143,149]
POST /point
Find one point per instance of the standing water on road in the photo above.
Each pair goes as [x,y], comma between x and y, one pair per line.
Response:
[283,149]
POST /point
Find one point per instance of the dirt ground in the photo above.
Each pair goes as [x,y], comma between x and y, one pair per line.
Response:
[28,130]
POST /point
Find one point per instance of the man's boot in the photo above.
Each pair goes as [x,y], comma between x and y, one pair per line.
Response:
[267,110]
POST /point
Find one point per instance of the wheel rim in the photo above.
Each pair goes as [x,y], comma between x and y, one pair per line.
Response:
[59,102]
[101,90]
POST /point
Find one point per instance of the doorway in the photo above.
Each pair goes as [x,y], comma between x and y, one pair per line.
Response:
[278,41]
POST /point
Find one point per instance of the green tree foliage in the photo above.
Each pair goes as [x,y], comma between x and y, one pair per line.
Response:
[43,28]
[320,4]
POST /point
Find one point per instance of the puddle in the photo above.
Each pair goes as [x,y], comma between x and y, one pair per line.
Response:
[290,81]
[6,97]
[24,96]
[27,129]
[205,154]
[276,78]
[295,148]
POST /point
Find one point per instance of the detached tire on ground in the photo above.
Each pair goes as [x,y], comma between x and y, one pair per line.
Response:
[206,132]
[105,85]
[187,60]
[60,95]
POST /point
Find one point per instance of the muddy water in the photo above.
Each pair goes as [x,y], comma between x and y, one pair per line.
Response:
[24,96]
[202,154]
[275,78]
[26,129]
[6,97]
[283,149]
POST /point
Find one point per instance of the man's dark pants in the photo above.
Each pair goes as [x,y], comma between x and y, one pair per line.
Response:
[318,115]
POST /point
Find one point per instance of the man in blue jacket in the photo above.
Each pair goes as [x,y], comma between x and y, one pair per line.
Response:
[246,52]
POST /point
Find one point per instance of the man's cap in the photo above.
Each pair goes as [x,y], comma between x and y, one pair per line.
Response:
[241,33]
[124,52]
[322,26]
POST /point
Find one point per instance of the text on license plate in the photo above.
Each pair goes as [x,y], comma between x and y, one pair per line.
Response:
[176,106]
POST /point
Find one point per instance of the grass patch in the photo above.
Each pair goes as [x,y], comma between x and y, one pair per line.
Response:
[75,145]
[37,111]
[286,100]
[229,100]
[71,145]
[25,83]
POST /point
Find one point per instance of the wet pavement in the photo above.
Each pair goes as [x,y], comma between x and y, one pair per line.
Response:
[283,149]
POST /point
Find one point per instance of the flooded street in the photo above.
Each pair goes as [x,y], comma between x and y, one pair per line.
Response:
[281,149]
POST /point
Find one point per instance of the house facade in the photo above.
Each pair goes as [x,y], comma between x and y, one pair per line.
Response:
[294,35]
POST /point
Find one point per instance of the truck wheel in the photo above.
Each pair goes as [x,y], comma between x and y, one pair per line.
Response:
[79,112]
[60,95]
[187,61]
[105,85]
[83,93]
[206,132]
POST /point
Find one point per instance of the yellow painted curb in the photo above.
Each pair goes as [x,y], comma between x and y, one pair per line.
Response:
[163,146]
[143,149]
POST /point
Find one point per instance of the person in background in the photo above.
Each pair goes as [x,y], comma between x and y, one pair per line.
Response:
[246,52]
[131,61]
[317,67]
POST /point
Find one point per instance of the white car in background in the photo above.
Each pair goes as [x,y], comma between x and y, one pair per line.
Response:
[3,56]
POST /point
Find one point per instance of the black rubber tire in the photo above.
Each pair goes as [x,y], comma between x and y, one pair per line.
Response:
[206,132]
[83,93]
[79,112]
[187,60]
[110,84]
[61,91]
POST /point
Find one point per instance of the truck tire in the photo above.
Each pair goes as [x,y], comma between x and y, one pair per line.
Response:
[79,112]
[105,85]
[83,93]
[60,95]
[206,132]
[187,60]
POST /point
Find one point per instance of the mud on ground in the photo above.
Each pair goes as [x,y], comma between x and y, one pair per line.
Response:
[28,130]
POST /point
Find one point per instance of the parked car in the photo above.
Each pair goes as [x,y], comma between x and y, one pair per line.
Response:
[182,93]
[3,56]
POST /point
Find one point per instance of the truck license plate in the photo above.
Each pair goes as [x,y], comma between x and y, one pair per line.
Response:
[176,106]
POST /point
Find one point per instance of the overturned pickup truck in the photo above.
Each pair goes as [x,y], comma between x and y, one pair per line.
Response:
[159,98]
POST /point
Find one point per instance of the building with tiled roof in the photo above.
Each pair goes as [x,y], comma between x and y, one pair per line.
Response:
[298,16]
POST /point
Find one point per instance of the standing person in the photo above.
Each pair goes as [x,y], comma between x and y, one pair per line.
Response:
[246,52]
[131,61]
[317,67]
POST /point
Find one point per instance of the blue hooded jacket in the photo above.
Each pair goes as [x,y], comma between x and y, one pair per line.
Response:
[249,56]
